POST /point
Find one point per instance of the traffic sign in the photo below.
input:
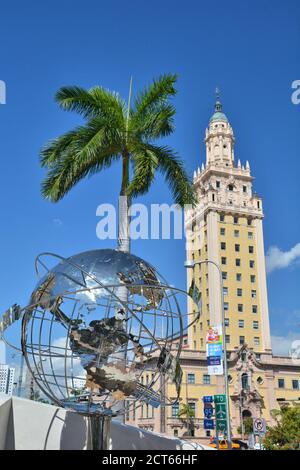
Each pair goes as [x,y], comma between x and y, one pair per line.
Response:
[209,424]
[259,426]
[220,411]
[220,398]
[208,399]
[208,412]
[221,424]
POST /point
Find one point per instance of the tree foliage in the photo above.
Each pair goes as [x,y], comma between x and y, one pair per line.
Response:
[112,131]
[248,426]
[285,435]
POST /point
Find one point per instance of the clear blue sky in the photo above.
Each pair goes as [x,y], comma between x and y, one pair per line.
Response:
[249,49]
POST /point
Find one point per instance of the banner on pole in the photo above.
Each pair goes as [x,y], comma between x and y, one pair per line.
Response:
[214,350]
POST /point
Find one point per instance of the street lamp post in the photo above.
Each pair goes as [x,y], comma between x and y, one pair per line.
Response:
[191,264]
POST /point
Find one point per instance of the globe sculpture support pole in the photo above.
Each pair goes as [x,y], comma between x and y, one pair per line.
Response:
[191,264]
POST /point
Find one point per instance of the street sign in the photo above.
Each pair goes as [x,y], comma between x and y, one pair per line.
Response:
[208,412]
[220,411]
[220,398]
[208,399]
[221,425]
[209,424]
[259,426]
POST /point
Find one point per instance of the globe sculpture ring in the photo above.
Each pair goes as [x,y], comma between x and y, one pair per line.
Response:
[95,324]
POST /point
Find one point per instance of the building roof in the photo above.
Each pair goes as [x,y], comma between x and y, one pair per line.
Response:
[218,114]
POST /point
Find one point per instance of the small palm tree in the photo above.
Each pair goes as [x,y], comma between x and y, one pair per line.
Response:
[113,130]
[187,411]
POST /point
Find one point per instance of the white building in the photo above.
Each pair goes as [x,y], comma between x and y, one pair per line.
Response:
[7,375]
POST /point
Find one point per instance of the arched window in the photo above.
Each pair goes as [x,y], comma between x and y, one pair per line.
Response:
[245,382]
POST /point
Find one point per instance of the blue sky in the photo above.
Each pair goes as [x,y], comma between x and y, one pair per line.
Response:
[250,50]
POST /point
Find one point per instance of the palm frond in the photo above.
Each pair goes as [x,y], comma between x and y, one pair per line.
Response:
[144,163]
[90,103]
[92,150]
[173,170]
[154,124]
[159,91]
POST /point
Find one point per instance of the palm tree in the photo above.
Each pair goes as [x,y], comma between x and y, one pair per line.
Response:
[114,130]
[187,411]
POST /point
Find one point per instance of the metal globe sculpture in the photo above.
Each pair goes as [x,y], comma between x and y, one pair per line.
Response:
[94,323]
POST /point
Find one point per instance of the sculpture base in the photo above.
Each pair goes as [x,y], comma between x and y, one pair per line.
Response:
[30,425]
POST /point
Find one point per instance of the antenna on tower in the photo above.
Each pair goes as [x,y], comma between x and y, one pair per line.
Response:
[218,105]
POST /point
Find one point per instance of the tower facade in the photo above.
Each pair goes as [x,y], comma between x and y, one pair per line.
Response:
[226,227]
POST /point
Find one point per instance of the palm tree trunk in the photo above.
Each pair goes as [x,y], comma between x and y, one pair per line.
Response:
[123,209]
[124,246]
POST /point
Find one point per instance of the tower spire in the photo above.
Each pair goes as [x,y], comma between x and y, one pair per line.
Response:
[218,105]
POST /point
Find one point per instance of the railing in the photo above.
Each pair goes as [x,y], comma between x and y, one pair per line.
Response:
[174,421]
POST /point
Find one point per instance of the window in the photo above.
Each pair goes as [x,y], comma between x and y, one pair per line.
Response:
[240,308]
[201,326]
[175,410]
[206,379]
[242,340]
[259,380]
[227,339]
[249,221]
[236,233]
[223,260]
[241,323]
[223,246]
[207,292]
[226,321]
[295,384]
[226,306]
[213,198]
[224,275]
[230,187]
[192,406]
[258,205]
[281,383]
[237,247]
[218,184]
[195,345]
[222,217]
[251,263]
[225,290]
[245,381]
[251,249]
[238,277]
[222,231]
[252,278]
[244,189]
[191,378]
[201,342]
[235,220]
[256,340]
[230,379]
[255,325]
[207,433]
[238,262]
[175,432]
[254,308]
[253,294]
[250,235]
[239,292]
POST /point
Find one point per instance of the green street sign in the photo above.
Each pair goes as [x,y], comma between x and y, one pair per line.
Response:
[220,398]
[220,411]
[221,425]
